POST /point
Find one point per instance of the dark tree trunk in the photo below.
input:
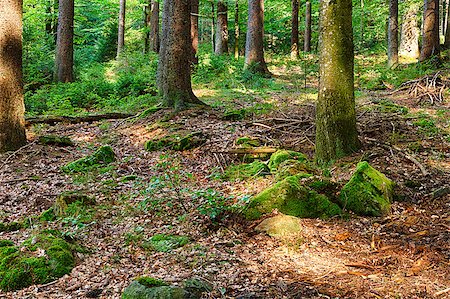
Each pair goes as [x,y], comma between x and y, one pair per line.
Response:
[51,20]
[12,109]
[64,42]
[430,36]
[121,31]
[294,31]
[213,26]
[222,29]
[154,27]
[254,46]
[147,16]
[236,29]
[336,134]
[194,31]
[174,77]
[307,42]
[393,34]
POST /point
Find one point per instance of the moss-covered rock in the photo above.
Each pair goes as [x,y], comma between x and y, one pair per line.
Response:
[151,282]
[280,225]
[102,156]
[369,192]
[195,287]
[324,186]
[291,198]
[46,258]
[166,243]
[138,291]
[246,171]
[292,167]
[282,155]
[56,140]
[248,142]
[177,142]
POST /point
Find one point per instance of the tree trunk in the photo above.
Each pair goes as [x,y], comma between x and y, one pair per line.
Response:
[447,31]
[174,78]
[236,29]
[409,38]
[336,134]
[361,25]
[430,37]
[154,27]
[446,17]
[307,42]
[443,14]
[222,29]
[194,31]
[64,42]
[254,46]
[12,109]
[213,26]
[121,31]
[147,15]
[393,34]
[294,31]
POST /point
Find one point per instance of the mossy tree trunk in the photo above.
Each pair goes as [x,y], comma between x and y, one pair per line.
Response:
[64,42]
[336,134]
[121,27]
[194,31]
[393,34]
[294,30]
[174,77]
[307,41]
[12,122]
[222,29]
[254,46]
[236,29]
[430,36]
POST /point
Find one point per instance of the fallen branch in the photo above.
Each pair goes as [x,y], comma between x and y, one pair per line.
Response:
[250,151]
[51,120]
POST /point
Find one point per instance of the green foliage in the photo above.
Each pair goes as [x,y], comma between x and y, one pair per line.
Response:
[246,171]
[102,156]
[151,282]
[166,243]
[177,142]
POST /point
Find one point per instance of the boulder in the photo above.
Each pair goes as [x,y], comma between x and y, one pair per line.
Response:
[102,156]
[282,155]
[246,171]
[280,225]
[138,291]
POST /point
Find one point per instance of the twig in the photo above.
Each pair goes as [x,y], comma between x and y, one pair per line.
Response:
[442,292]
[15,153]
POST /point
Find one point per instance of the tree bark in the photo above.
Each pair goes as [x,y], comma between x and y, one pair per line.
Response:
[194,31]
[154,27]
[64,42]
[430,35]
[236,29]
[147,16]
[294,30]
[12,109]
[254,46]
[409,38]
[174,78]
[447,31]
[222,29]
[393,34]
[336,134]
[121,30]
[307,41]
[213,26]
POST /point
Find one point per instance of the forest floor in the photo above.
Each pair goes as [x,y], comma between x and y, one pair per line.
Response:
[403,255]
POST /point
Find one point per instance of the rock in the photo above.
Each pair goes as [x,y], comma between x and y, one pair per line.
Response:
[282,155]
[138,291]
[195,287]
[166,243]
[246,171]
[176,142]
[56,140]
[248,142]
[291,198]
[368,192]
[292,167]
[280,225]
[101,157]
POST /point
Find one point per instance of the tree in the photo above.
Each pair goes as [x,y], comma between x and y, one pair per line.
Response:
[174,77]
[222,29]
[409,37]
[154,27]
[64,42]
[294,30]
[121,31]
[447,31]
[236,29]
[393,34]
[430,35]
[336,134]
[194,31]
[254,48]
[307,41]
[12,122]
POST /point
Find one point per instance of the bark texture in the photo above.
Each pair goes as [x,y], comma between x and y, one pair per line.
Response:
[121,31]
[336,134]
[307,41]
[294,30]
[447,31]
[222,29]
[236,29]
[174,77]
[409,37]
[393,34]
[430,37]
[254,46]
[194,31]
[12,109]
[154,27]
[64,42]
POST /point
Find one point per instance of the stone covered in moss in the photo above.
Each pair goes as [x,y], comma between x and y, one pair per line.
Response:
[280,225]
[166,243]
[248,142]
[282,155]
[196,287]
[177,142]
[102,156]
[246,171]
[292,167]
[56,140]
[138,291]
[291,198]
[46,258]
[151,282]
[368,192]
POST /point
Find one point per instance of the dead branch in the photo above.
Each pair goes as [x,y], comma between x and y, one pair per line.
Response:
[51,120]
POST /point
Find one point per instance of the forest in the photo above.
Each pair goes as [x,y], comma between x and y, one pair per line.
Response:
[224,149]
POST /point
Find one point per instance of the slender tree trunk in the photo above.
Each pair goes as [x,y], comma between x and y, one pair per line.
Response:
[294,30]
[194,31]
[222,29]
[12,109]
[336,134]
[430,37]
[121,32]
[213,26]
[447,31]
[64,42]
[307,41]
[409,38]
[147,15]
[49,18]
[236,29]
[446,17]
[154,27]
[443,14]
[393,34]
[361,24]
[254,46]
[174,78]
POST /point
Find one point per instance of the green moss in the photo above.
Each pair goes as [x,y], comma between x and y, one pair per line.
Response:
[234,114]
[150,282]
[102,156]
[282,155]
[368,192]
[245,171]
[138,291]
[10,226]
[176,142]
[149,111]
[291,198]
[48,215]
[166,243]
[6,243]
[71,203]
[292,167]
[55,140]
[324,186]
[248,142]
